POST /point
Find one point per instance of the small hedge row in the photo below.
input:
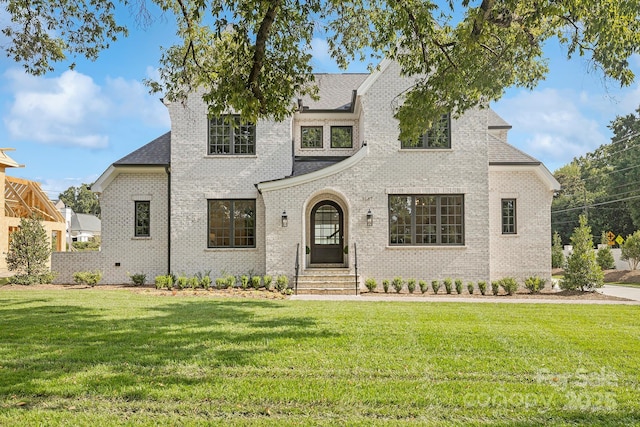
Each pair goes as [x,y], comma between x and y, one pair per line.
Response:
[228,281]
[509,285]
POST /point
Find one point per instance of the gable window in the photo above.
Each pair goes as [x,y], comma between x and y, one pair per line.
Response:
[143,219]
[231,223]
[438,136]
[508,216]
[341,136]
[426,219]
[311,136]
[229,134]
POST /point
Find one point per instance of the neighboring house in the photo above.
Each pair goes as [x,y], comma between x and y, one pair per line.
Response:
[21,198]
[330,180]
[80,227]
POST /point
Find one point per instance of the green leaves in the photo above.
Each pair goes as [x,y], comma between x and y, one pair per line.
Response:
[43,32]
[254,56]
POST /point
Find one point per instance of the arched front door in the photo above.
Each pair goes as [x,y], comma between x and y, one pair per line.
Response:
[327,225]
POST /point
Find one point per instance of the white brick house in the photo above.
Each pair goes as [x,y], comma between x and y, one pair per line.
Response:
[462,203]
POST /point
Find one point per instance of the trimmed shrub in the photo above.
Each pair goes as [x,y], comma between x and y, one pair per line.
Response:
[205,282]
[435,286]
[256,281]
[371,284]
[448,285]
[470,288]
[397,284]
[458,283]
[424,287]
[90,278]
[244,282]
[182,281]
[495,287]
[231,281]
[534,284]
[160,281]
[411,285]
[267,279]
[482,287]
[282,283]
[385,286]
[604,258]
[193,282]
[221,283]
[509,284]
[138,279]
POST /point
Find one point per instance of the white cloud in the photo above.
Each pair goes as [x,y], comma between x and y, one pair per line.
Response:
[321,58]
[552,125]
[132,100]
[56,110]
[73,110]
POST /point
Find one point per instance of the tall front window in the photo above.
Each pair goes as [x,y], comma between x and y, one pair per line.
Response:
[438,136]
[341,136]
[508,216]
[232,224]
[426,219]
[143,219]
[229,134]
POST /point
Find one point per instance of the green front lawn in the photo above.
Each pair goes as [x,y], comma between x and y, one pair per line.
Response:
[101,358]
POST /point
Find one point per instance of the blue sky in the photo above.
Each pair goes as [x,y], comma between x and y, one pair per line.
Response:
[68,126]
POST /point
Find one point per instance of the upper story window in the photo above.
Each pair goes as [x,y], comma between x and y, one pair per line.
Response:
[438,136]
[143,219]
[311,136]
[229,134]
[341,136]
[508,216]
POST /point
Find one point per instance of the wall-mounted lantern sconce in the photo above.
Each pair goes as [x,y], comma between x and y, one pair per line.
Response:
[285,219]
[369,218]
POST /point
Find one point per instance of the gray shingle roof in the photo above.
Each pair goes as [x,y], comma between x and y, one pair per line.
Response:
[501,153]
[497,122]
[85,222]
[335,91]
[156,152]
[305,165]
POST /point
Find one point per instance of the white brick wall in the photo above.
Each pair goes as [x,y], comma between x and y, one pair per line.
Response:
[122,253]
[197,177]
[528,252]
[386,169]
[389,170]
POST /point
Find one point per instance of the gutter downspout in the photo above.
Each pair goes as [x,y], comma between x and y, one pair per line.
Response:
[168,170]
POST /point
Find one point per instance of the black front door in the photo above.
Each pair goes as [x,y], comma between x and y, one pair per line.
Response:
[326,233]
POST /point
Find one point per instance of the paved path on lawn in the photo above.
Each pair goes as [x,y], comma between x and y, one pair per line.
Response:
[485,299]
[621,291]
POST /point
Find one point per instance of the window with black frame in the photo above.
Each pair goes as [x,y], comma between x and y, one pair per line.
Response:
[341,136]
[142,219]
[229,134]
[311,136]
[426,219]
[231,223]
[438,136]
[509,216]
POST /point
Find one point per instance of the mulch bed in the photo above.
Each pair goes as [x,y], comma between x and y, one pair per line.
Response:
[262,294]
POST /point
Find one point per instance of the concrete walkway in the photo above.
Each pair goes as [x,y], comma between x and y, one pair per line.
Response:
[621,292]
[484,299]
